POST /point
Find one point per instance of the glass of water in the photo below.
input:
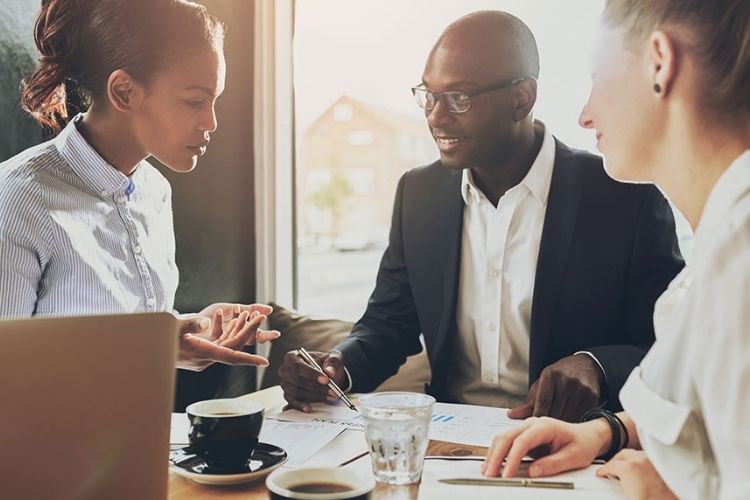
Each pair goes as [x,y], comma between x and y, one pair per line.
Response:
[396,427]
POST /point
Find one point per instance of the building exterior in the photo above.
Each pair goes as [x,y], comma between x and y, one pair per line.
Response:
[349,162]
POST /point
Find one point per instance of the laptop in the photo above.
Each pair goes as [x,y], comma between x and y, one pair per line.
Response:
[85,406]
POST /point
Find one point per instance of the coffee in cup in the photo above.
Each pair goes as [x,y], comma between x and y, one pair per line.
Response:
[224,432]
[319,483]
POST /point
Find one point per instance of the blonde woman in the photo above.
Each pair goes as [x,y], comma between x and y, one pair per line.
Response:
[670,104]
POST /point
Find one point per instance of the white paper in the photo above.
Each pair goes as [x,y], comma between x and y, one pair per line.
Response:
[180,429]
[300,440]
[344,447]
[468,424]
[463,424]
[338,414]
[587,485]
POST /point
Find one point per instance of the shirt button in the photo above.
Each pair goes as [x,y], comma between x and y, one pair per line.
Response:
[150,301]
[137,249]
[104,193]
[490,325]
[120,199]
[494,274]
[488,379]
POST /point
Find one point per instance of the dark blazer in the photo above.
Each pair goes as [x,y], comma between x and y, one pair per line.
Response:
[608,250]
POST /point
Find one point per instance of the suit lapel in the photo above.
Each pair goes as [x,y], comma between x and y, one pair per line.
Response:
[557,235]
[450,228]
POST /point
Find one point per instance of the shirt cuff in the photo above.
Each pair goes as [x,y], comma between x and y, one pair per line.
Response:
[603,400]
[348,381]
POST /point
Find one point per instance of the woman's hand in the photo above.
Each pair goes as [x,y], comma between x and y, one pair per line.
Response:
[562,446]
[222,313]
[638,478]
[219,333]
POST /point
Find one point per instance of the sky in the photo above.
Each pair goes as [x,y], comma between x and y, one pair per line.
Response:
[375,51]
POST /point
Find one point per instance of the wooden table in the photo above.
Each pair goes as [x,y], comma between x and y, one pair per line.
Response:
[183,489]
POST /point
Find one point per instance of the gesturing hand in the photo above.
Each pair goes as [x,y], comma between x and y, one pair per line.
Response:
[222,313]
[565,390]
[221,338]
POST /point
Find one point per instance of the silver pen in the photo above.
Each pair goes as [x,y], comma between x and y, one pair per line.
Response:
[331,384]
[498,481]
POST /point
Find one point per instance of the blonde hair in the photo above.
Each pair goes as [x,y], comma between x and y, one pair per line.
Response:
[719,39]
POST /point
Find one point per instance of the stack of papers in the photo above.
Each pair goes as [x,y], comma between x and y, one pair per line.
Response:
[463,424]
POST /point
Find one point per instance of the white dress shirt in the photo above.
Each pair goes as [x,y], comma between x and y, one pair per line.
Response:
[690,397]
[75,240]
[499,251]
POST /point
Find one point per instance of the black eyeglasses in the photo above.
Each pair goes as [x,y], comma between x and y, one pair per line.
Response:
[456,101]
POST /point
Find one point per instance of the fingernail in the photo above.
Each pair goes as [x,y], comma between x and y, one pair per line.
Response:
[204,323]
[322,379]
[483,467]
[535,470]
[306,408]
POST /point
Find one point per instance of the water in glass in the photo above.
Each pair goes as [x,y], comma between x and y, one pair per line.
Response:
[396,428]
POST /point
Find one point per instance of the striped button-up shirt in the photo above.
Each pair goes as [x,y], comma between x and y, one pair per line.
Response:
[79,237]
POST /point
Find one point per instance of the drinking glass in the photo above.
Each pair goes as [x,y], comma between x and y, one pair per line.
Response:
[396,428]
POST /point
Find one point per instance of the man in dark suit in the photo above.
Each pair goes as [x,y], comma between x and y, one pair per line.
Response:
[520,261]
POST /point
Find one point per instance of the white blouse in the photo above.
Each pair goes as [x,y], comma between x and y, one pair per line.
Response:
[690,397]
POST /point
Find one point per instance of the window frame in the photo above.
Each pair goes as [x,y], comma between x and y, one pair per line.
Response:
[274,152]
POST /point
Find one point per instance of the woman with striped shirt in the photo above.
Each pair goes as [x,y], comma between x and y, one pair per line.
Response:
[85,221]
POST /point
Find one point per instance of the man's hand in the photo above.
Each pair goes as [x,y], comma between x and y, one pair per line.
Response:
[638,478]
[565,390]
[222,335]
[303,384]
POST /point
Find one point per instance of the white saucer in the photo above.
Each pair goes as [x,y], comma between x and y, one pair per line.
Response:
[265,459]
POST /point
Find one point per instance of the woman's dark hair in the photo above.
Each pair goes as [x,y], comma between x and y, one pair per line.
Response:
[81,42]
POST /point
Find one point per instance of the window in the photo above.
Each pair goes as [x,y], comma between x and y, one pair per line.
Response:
[354,117]
[361,137]
[361,181]
[354,65]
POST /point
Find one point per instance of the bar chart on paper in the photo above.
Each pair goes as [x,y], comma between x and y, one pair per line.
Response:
[467,424]
[464,424]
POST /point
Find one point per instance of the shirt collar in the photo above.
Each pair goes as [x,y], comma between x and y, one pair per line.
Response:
[86,163]
[731,186]
[537,180]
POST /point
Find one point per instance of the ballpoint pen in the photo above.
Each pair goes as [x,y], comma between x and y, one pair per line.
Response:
[523,483]
[331,384]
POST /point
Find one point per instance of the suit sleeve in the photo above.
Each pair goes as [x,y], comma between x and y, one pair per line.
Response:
[655,260]
[389,330]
